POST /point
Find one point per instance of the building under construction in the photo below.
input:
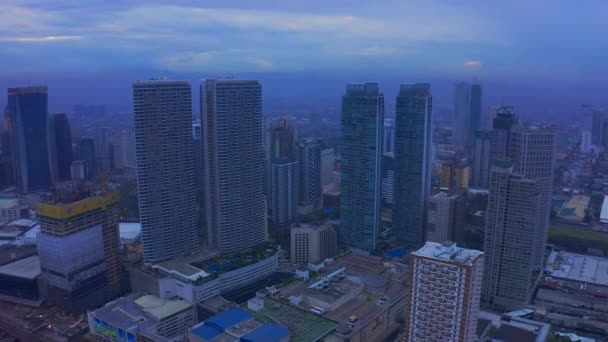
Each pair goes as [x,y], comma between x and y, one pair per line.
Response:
[79,248]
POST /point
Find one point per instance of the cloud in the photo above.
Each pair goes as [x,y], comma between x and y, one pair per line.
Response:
[472,64]
[43,39]
[373,51]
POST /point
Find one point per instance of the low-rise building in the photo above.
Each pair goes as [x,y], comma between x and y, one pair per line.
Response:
[198,278]
[312,243]
[237,325]
[143,318]
[20,281]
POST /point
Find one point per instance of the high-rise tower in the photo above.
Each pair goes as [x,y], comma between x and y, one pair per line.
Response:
[79,249]
[233,149]
[532,151]
[462,114]
[310,190]
[510,238]
[63,145]
[27,114]
[362,126]
[413,138]
[165,169]
[284,172]
[444,294]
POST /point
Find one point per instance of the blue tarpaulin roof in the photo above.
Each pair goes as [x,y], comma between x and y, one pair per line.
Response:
[227,319]
[206,332]
[267,333]
[396,252]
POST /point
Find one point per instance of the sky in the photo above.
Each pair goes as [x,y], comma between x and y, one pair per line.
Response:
[549,41]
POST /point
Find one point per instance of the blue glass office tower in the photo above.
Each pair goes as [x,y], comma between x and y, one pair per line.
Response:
[362,130]
[475,108]
[27,113]
[413,138]
[86,152]
[63,145]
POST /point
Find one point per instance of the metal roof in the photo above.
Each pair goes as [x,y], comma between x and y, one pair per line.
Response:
[267,333]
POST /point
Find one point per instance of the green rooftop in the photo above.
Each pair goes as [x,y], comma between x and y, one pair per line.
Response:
[303,326]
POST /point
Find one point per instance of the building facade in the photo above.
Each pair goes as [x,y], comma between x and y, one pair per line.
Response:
[445,291]
[284,175]
[165,169]
[475,110]
[310,190]
[413,139]
[28,120]
[510,238]
[123,144]
[63,145]
[313,243]
[446,217]
[362,125]
[481,159]
[233,150]
[532,150]
[462,114]
[103,150]
[327,166]
[79,249]
[86,152]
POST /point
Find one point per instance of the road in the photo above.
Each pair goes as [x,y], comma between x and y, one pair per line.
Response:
[19,332]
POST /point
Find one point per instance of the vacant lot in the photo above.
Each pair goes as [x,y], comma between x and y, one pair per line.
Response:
[577,239]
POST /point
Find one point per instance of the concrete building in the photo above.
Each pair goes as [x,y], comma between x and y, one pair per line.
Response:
[103,149]
[10,209]
[413,139]
[142,318]
[586,146]
[284,176]
[310,189]
[362,124]
[388,144]
[20,281]
[462,176]
[201,277]
[29,132]
[79,249]
[233,150]
[388,179]
[475,106]
[312,243]
[446,174]
[445,291]
[446,217]
[123,143]
[510,238]
[481,159]
[532,151]
[78,170]
[165,169]
[284,192]
[86,152]
[327,166]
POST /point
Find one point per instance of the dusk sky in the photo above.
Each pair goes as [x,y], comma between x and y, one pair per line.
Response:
[543,56]
[556,40]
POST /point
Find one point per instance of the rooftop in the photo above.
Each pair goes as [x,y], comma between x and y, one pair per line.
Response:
[7,203]
[304,326]
[160,308]
[237,324]
[27,268]
[579,267]
[129,230]
[60,207]
[448,251]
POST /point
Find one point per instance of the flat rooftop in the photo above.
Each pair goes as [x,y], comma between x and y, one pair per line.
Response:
[161,308]
[448,251]
[7,203]
[26,268]
[579,267]
[303,326]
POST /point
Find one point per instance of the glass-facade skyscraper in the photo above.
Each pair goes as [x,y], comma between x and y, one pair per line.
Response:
[413,138]
[475,108]
[362,128]
[63,145]
[233,149]
[284,172]
[165,169]
[27,113]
